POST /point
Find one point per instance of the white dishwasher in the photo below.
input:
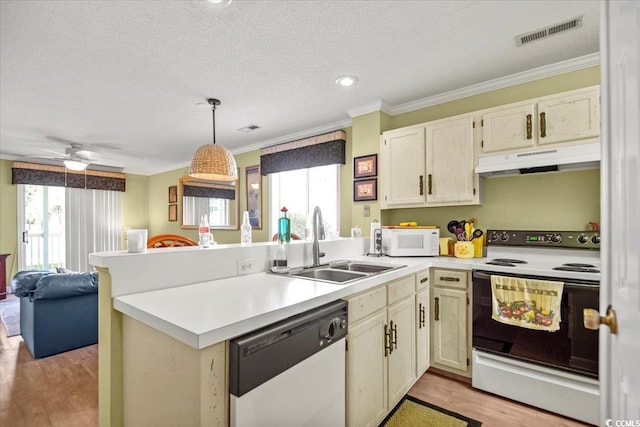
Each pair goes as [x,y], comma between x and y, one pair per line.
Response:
[291,373]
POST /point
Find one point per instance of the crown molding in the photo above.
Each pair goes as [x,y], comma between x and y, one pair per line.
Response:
[550,70]
[380,105]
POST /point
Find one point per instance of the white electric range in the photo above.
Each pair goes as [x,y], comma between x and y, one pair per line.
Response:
[553,370]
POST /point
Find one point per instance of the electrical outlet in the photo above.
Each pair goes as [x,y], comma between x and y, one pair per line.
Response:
[245,266]
[366,211]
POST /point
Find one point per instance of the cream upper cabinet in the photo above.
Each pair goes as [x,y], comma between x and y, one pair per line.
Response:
[569,117]
[402,161]
[508,128]
[430,165]
[450,313]
[566,118]
[450,161]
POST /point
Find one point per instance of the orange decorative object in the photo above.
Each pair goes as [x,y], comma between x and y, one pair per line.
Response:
[294,236]
[169,241]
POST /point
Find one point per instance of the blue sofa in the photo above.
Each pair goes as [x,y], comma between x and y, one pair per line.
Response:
[58,311]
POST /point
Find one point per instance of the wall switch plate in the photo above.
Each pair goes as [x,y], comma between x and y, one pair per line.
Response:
[366,211]
[246,266]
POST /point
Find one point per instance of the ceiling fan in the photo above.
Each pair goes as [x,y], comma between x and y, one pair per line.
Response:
[77,157]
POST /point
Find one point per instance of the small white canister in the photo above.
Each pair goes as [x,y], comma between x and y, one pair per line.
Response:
[137,240]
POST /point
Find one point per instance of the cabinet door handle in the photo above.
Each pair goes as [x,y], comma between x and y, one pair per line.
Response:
[449,279]
[25,237]
[529,136]
[429,183]
[436,310]
[387,342]
[421,316]
[543,125]
[426,279]
[421,184]
[394,337]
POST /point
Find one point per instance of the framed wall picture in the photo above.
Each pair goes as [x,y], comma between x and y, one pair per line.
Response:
[365,166]
[173,212]
[254,196]
[173,194]
[365,189]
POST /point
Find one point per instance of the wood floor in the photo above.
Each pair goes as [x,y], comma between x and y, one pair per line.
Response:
[59,390]
[62,390]
[489,409]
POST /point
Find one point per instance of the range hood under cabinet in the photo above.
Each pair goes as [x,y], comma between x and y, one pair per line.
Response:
[574,157]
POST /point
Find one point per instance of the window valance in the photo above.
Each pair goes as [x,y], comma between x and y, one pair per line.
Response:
[320,150]
[208,191]
[59,176]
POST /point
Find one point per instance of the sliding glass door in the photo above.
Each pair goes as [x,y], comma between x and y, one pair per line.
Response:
[41,227]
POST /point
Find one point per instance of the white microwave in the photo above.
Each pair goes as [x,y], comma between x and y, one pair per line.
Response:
[414,241]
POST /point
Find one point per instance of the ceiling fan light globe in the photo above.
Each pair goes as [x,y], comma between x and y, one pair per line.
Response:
[213,162]
[75,165]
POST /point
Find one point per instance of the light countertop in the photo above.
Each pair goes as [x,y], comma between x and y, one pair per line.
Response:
[203,314]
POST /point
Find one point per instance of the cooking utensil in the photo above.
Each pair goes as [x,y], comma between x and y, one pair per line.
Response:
[476,234]
[452,226]
[467,231]
[461,237]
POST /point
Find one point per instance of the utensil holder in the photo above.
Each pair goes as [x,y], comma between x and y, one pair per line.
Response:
[464,250]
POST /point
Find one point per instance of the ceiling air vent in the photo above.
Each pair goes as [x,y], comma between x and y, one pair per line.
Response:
[249,128]
[551,30]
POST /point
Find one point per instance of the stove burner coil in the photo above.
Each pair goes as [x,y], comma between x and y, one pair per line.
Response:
[579,265]
[509,260]
[577,269]
[505,262]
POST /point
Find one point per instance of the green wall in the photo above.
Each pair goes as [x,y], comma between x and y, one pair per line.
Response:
[555,200]
[8,218]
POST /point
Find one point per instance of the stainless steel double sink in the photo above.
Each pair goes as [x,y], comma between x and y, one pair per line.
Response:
[342,272]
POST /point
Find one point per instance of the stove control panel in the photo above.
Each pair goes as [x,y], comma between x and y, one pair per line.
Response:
[560,239]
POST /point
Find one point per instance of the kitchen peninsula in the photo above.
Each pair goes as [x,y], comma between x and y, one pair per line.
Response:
[166,317]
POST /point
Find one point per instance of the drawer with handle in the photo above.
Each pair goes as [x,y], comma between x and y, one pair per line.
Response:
[450,278]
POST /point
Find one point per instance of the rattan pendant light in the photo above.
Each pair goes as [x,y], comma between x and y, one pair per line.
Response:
[213,162]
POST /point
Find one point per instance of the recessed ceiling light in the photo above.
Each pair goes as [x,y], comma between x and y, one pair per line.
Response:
[221,2]
[346,81]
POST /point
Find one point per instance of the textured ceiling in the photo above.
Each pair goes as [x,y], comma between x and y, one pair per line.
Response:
[124,77]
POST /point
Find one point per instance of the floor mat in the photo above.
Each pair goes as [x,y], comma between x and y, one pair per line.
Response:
[412,412]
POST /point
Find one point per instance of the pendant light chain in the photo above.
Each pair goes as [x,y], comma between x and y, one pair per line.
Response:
[214,103]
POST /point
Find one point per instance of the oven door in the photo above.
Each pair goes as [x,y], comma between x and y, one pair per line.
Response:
[572,348]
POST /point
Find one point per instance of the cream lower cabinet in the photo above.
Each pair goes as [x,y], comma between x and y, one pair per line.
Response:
[450,314]
[381,351]
[423,349]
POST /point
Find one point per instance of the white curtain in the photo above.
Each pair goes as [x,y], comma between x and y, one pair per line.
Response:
[93,224]
[193,209]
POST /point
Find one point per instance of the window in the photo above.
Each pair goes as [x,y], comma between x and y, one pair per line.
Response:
[300,191]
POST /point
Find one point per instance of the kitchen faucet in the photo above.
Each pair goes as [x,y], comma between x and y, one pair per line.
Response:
[318,234]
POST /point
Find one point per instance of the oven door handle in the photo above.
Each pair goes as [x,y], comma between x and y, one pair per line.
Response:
[569,285]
